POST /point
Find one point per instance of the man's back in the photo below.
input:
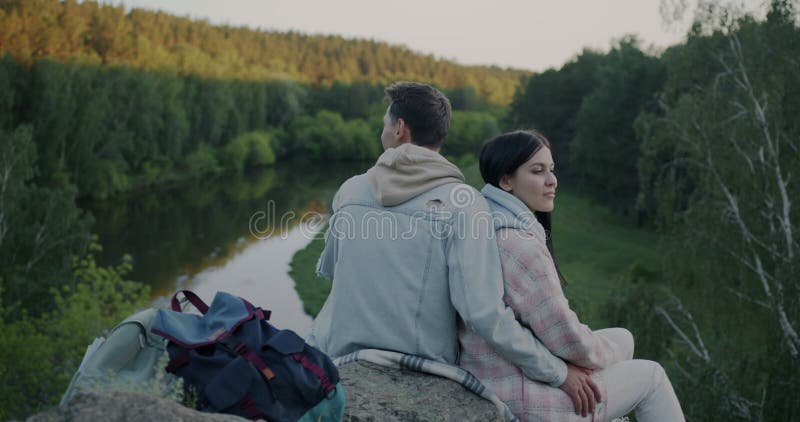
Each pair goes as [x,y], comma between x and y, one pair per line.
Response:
[389,267]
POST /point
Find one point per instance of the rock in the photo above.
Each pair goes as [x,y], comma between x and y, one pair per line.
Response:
[377,393]
[118,406]
[374,393]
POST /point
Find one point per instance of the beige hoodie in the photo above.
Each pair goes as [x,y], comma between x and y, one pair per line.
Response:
[406,171]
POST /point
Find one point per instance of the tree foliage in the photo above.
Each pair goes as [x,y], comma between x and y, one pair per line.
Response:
[40,227]
[549,102]
[39,354]
[107,130]
[94,33]
[327,136]
[605,149]
[468,131]
[718,159]
[52,304]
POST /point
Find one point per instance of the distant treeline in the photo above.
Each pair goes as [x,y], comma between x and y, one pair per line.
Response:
[103,34]
[110,129]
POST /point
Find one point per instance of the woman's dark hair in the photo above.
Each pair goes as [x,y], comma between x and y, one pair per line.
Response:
[503,155]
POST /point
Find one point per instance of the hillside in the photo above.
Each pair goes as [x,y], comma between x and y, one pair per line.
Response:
[92,33]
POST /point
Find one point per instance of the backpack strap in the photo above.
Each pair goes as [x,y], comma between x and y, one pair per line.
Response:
[316,370]
[231,344]
[178,361]
[192,298]
[250,409]
[263,315]
[234,346]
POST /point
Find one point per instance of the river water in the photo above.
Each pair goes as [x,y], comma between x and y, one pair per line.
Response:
[234,233]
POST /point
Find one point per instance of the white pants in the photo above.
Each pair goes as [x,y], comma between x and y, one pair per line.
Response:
[637,385]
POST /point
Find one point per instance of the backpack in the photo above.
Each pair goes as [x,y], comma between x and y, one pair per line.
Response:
[238,363]
[125,359]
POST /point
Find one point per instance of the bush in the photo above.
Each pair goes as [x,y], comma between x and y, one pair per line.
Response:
[38,355]
[468,131]
[232,156]
[152,170]
[202,161]
[252,149]
[261,153]
[103,178]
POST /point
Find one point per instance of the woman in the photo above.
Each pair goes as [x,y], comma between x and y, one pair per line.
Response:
[518,169]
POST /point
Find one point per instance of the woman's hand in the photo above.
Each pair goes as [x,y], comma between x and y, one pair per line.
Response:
[581,388]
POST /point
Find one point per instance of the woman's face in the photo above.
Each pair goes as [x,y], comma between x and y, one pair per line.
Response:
[534,182]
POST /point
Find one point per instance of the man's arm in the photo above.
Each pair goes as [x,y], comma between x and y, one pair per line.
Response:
[327,260]
[476,291]
[533,290]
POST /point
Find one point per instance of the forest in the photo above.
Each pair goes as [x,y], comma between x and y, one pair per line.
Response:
[91,33]
[699,143]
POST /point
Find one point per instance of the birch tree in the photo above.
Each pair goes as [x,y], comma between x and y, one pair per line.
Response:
[720,164]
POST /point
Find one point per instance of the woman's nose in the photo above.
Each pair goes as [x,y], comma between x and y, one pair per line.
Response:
[551,180]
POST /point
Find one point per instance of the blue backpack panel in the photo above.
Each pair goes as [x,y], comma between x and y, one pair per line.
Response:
[240,364]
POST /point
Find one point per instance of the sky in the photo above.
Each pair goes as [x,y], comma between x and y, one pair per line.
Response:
[526,34]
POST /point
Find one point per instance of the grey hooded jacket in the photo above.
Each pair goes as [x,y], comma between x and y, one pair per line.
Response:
[410,248]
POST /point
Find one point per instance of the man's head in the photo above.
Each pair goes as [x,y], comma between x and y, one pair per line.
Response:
[417,113]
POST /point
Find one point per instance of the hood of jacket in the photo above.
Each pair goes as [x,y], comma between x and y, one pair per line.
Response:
[508,211]
[408,170]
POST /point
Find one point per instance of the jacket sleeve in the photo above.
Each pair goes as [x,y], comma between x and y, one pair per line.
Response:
[534,292]
[476,291]
[327,260]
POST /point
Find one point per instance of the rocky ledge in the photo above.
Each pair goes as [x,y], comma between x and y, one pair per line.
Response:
[374,393]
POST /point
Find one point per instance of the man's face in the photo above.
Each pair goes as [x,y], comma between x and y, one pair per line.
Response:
[390,135]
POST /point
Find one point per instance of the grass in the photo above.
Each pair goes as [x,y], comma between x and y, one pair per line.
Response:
[312,290]
[594,247]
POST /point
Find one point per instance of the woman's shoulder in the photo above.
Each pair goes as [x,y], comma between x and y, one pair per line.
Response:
[525,246]
[511,238]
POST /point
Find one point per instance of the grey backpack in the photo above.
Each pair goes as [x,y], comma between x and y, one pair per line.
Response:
[129,358]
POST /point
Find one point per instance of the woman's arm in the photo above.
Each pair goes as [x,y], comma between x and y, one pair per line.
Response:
[533,291]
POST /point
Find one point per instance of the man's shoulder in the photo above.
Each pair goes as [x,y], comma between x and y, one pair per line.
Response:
[463,198]
[355,187]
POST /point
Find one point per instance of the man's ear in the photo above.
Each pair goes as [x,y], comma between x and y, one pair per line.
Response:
[402,131]
[505,183]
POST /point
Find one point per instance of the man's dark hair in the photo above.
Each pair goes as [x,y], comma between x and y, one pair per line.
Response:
[423,108]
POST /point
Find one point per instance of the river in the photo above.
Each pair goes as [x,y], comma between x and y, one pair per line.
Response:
[235,233]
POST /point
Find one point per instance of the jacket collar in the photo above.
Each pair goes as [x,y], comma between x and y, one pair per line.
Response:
[508,211]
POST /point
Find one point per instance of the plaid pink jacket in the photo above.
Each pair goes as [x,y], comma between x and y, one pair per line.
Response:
[533,291]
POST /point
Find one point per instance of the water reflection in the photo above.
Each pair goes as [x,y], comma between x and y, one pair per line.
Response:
[260,273]
[197,235]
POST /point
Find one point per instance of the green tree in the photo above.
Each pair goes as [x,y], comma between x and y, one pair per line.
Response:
[549,102]
[53,106]
[468,131]
[717,161]
[605,150]
[40,228]
[9,95]
[39,354]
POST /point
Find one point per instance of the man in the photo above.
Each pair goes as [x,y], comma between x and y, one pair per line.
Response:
[410,248]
